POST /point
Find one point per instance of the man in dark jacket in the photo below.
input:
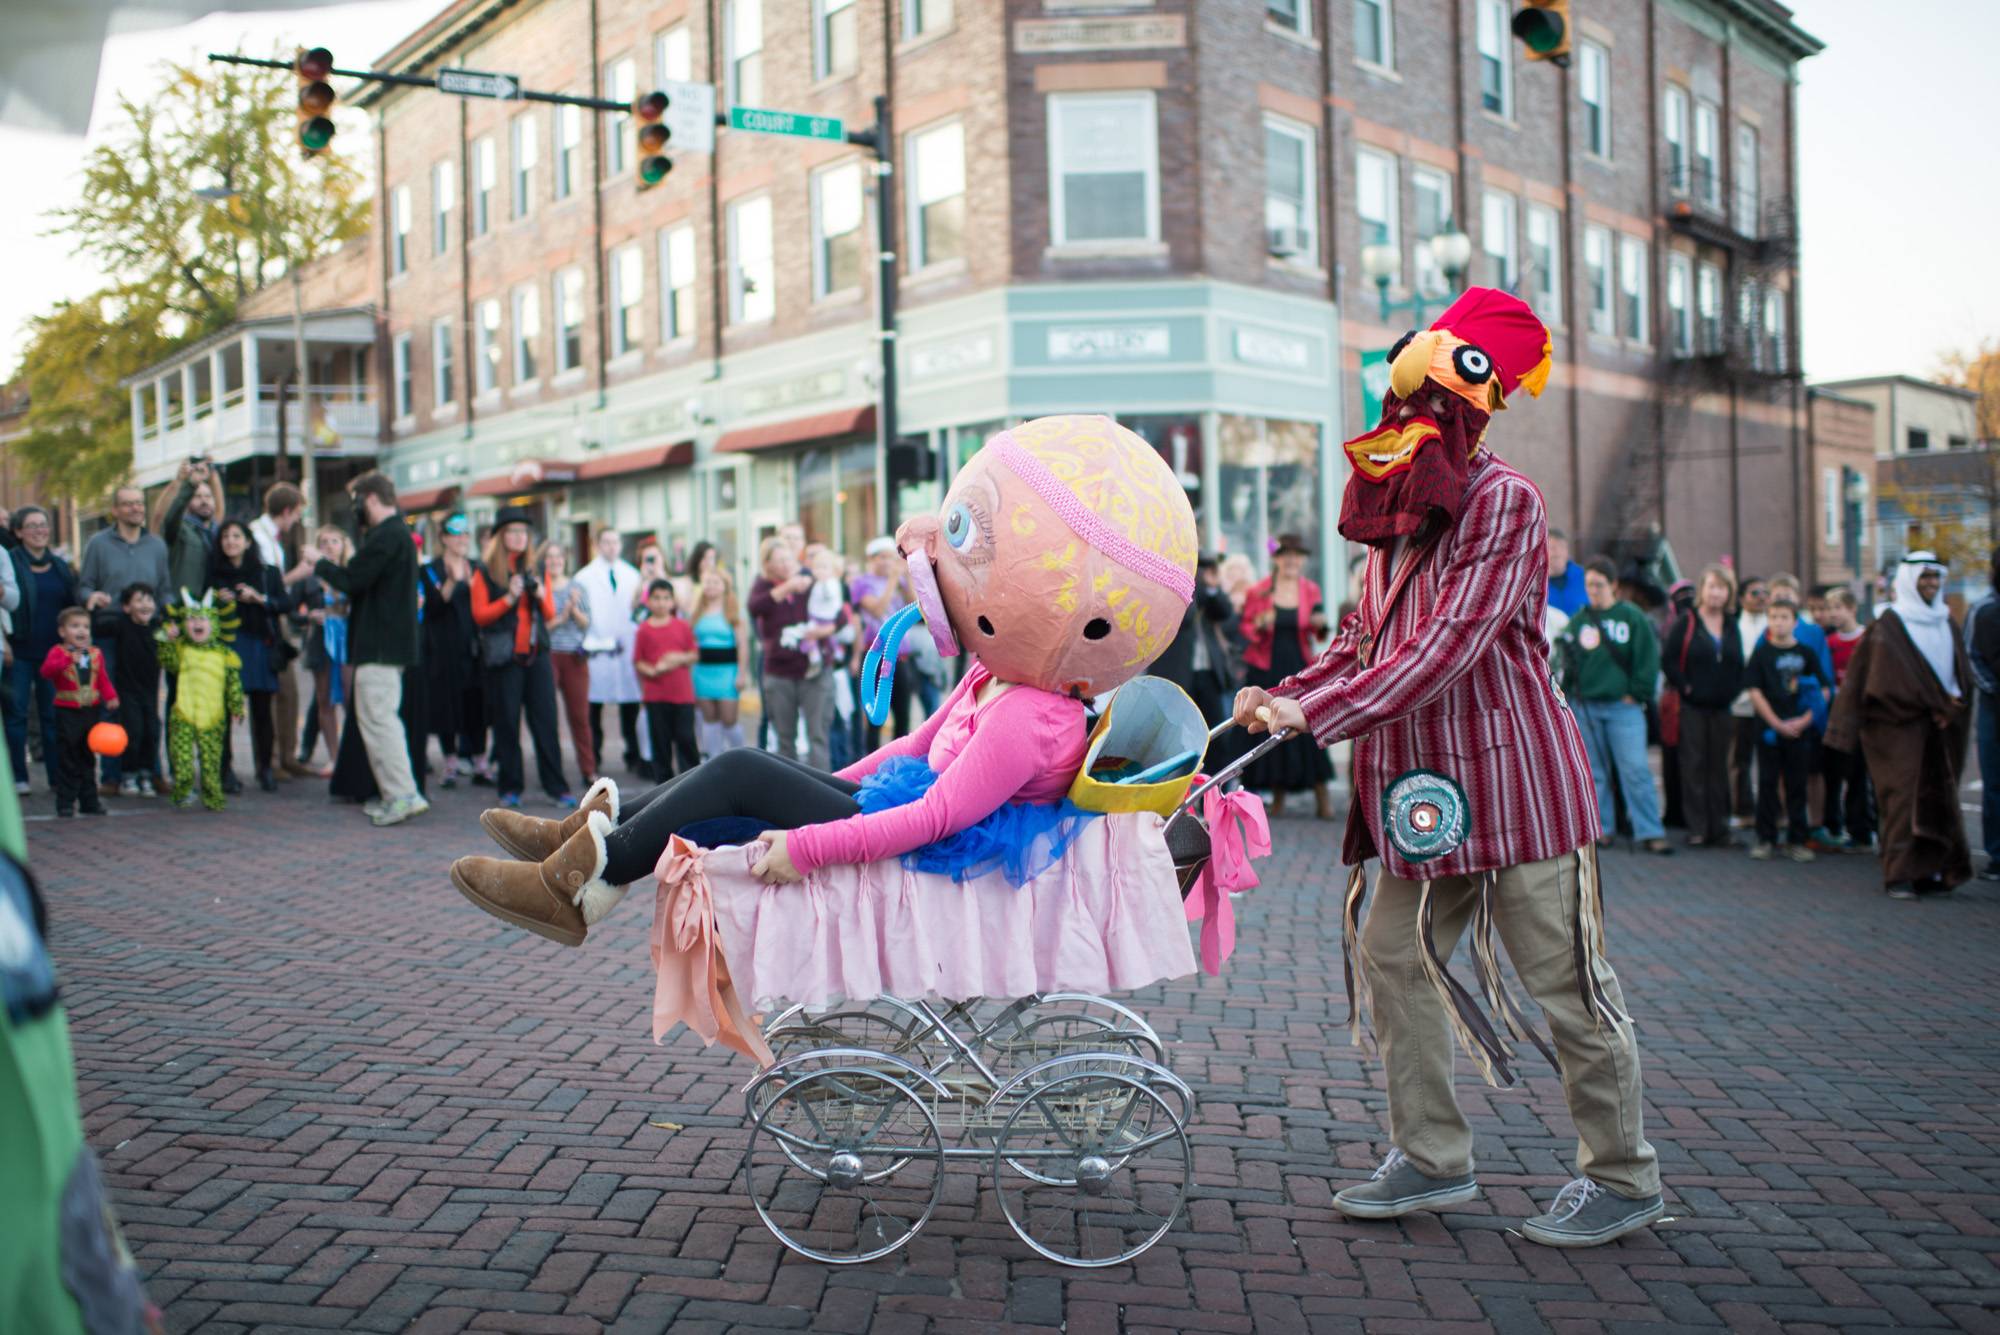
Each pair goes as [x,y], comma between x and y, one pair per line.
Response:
[188,527]
[48,585]
[382,641]
[1197,661]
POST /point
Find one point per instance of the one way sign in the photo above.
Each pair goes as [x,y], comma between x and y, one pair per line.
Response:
[473,83]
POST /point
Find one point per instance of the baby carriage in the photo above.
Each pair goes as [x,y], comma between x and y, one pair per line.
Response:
[933,1020]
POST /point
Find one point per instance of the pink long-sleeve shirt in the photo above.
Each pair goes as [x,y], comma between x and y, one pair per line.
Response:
[1020,745]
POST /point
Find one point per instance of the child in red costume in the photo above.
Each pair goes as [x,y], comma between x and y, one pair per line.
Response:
[83,692]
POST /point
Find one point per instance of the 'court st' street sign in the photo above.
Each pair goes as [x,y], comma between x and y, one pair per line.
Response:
[787,122]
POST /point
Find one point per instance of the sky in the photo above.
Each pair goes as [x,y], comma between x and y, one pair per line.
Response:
[1895,170]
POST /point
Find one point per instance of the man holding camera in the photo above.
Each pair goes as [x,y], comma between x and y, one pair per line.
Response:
[188,526]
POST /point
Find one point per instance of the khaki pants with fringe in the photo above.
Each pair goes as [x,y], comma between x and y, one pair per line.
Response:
[1534,912]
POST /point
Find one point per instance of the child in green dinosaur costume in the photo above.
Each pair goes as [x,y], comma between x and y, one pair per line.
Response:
[208,692]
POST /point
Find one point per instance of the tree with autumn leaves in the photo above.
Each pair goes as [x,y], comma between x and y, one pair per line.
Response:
[197,198]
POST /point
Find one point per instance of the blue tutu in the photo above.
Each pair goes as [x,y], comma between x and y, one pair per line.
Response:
[1021,839]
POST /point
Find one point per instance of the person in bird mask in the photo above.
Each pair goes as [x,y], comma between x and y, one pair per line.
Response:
[1471,786]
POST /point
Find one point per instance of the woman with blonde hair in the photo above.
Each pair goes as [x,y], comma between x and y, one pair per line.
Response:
[514,609]
[572,665]
[326,640]
[1702,656]
[723,665]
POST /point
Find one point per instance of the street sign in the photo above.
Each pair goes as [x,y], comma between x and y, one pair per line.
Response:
[473,83]
[787,122]
[690,116]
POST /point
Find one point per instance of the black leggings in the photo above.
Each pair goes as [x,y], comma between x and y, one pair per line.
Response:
[672,726]
[745,783]
[263,730]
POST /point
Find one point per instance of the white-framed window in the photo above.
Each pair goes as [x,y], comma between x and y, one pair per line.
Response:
[1674,126]
[485,183]
[1748,337]
[527,150]
[1776,352]
[1593,82]
[444,198]
[486,333]
[1543,226]
[926,16]
[743,52]
[752,276]
[1430,189]
[1597,276]
[1291,15]
[1497,237]
[1707,154]
[405,391]
[836,224]
[934,160]
[677,279]
[673,55]
[1104,168]
[1744,173]
[1831,502]
[527,333]
[1375,201]
[1680,305]
[836,38]
[621,84]
[1634,290]
[1496,58]
[1291,196]
[627,268]
[1375,33]
[443,394]
[569,319]
[569,150]
[399,229]
[1708,310]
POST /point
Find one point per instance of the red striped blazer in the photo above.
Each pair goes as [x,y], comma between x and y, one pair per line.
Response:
[1458,681]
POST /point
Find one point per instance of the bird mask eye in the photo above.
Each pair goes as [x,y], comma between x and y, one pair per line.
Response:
[1473,366]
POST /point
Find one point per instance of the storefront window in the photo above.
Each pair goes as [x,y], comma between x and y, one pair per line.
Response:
[971,437]
[856,499]
[1270,484]
[817,485]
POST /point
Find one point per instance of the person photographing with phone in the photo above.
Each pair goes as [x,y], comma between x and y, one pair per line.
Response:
[513,609]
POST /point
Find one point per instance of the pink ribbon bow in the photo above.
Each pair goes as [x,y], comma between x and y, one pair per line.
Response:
[691,983]
[1238,833]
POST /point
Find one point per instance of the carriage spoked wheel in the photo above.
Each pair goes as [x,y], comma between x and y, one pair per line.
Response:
[1070,1024]
[845,1164]
[1092,1167]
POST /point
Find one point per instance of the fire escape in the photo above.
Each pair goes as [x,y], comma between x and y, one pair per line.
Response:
[1729,335]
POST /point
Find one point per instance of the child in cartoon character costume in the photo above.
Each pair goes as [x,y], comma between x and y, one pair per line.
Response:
[1062,558]
[208,693]
[1470,784]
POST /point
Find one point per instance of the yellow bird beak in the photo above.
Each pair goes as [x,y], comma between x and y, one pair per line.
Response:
[1413,365]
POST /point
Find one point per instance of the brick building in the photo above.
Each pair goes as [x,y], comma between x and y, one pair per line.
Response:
[1846,543]
[1155,210]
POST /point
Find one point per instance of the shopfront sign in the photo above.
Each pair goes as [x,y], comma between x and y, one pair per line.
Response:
[1110,343]
[1138,32]
[661,420]
[1265,347]
[954,356]
[773,395]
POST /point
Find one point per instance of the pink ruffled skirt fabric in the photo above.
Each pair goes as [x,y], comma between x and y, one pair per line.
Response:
[1108,918]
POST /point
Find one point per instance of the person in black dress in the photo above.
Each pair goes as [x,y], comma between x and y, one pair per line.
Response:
[1282,617]
[457,693]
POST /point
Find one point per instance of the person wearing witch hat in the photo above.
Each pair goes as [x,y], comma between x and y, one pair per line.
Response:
[513,609]
[1471,787]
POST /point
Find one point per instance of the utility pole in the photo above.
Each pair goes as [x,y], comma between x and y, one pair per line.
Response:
[882,140]
[308,459]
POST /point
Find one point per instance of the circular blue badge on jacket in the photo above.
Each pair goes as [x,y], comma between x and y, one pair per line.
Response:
[1424,814]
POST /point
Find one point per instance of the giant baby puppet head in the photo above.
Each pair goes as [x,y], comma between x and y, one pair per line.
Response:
[1444,385]
[1063,556]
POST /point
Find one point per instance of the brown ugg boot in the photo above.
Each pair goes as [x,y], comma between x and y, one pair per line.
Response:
[558,898]
[534,838]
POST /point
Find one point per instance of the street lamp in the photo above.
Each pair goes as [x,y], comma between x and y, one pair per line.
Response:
[1381,262]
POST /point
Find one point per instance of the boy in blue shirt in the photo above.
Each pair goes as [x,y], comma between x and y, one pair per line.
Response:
[1789,688]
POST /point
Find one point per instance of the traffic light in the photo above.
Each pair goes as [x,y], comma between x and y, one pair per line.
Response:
[1543,27]
[912,460]
[312,69]
[653,135]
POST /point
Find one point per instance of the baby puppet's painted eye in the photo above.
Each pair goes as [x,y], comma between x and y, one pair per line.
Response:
[1473,366]
[958,526]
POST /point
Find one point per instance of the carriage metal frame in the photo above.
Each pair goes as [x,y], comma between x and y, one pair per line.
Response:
[1064,1096]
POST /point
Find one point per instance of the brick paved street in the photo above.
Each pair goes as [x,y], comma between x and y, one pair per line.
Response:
[329,1094]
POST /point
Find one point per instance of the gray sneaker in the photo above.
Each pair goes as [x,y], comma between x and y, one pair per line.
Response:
[401,809]
[374,807]
[1586,1214]
[1397,1188]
